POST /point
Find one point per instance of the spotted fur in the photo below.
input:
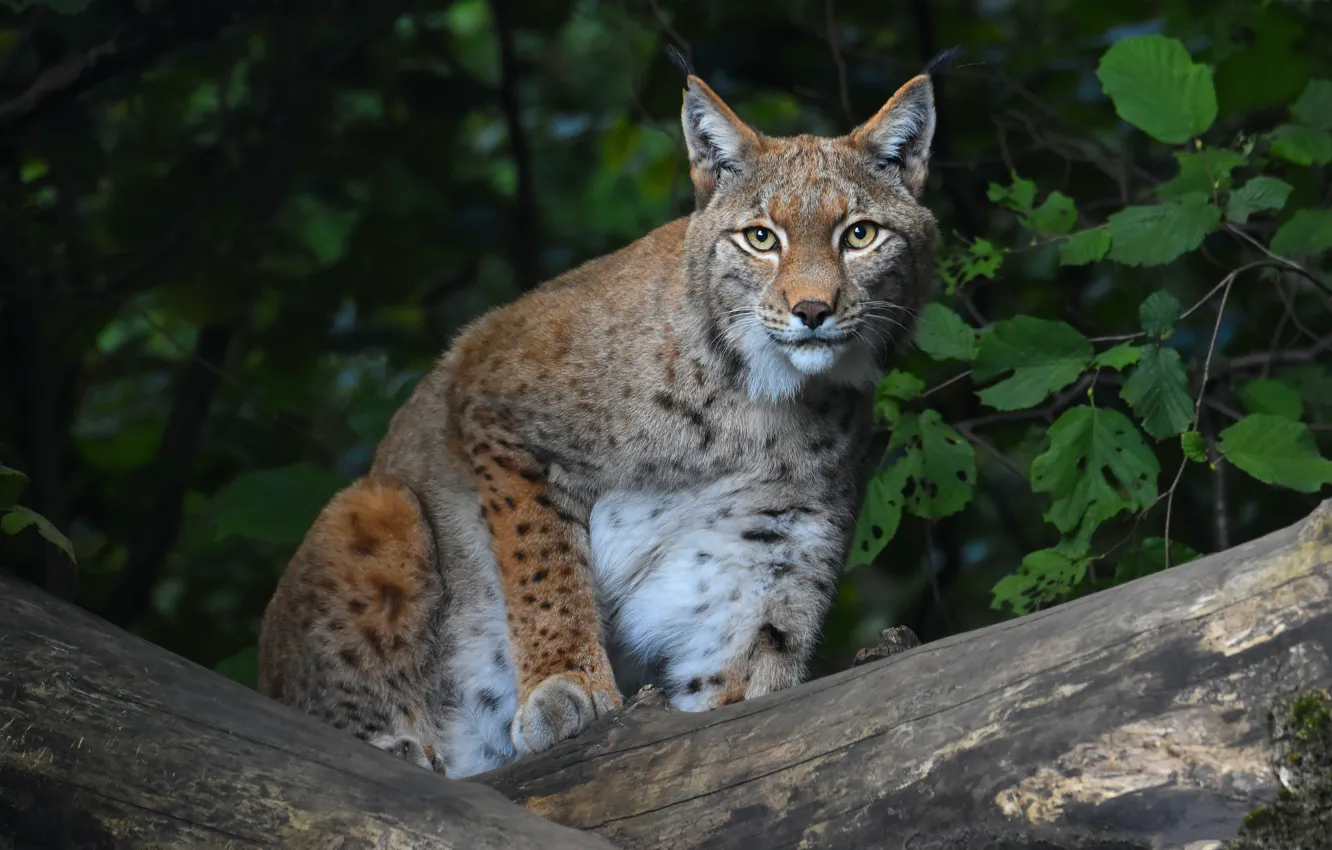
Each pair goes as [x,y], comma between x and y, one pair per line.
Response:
[646,470]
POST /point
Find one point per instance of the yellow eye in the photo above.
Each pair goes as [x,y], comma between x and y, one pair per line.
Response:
[761,238]
[860,234]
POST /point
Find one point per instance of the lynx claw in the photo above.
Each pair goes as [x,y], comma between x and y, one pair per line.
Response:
[404,747]
[558,709]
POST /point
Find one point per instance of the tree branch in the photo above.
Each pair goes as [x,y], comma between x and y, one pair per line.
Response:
[1058,729]
[1046,731]
[526,220]
[134,45]
[107,741]
[129,597]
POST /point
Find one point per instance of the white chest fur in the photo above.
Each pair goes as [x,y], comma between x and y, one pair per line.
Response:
[686,580]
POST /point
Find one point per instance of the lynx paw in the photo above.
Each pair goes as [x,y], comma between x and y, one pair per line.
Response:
[406,747]
[559,708]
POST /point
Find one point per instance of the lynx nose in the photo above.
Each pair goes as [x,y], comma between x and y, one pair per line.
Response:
[812,312]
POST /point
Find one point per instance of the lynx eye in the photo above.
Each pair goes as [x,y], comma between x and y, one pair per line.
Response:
[761,238]
[860,234]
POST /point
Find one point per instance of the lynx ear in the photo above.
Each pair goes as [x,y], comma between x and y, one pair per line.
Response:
[899,135]
[717,139]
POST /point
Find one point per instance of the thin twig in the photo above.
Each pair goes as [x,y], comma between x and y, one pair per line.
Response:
[669,30]
[1004,460]
[1288,301]
[1285,261]
[948,383]
[1170,507]
[830,33]
[1046,412]
[129,47]
[1226,284]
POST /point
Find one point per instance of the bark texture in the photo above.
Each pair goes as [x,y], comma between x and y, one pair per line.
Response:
[1136,718]
[108,743]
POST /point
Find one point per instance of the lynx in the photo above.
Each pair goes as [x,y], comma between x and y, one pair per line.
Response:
[646,470]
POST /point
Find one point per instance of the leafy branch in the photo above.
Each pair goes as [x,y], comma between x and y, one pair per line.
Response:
[1099,459]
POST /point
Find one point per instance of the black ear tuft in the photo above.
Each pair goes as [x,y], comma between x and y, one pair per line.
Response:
[680,61]
[944,61]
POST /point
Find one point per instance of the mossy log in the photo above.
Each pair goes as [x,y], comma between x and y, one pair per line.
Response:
[1135,718]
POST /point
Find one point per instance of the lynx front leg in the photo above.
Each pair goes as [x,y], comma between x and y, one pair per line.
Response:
[541,548]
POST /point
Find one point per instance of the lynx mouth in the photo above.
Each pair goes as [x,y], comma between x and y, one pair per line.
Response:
[812,354]
[811,339]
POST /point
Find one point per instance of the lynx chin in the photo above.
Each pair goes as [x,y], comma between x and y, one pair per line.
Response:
[646,470]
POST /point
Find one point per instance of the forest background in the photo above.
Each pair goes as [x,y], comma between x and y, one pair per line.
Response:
[234,233]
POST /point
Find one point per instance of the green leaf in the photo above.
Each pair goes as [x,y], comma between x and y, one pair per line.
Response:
[899,384]
[1302,145]
[1276,450]
[275,505]
[1120,357]
[1156,235]
[1019,197]
[12,484]
[1158,391]
[1149,557]
[943,334]
[1260,193]
[18,518]
[881,512]
[1157,88]
[1085,246]
[1272,397]
[1313,382]
[1055,216]
[943,478]
[1314,106]
[1044,576]
[1206,171]
[895,387]
[323,228]
[1159,313]
[958,268]
[1012,590]
[1045,357]
[1307,232]
[1194,446]
[1086,443]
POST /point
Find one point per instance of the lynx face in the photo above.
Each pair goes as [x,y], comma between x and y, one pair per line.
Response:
[815,252]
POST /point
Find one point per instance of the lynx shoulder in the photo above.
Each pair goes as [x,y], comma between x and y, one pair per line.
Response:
[645,471]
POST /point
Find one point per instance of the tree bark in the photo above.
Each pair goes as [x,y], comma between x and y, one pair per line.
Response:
[1133,718]
[110,743]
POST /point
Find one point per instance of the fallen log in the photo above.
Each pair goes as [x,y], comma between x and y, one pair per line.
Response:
[1134,718]
[108,743]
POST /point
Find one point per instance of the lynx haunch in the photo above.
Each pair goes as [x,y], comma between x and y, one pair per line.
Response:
[645,470]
